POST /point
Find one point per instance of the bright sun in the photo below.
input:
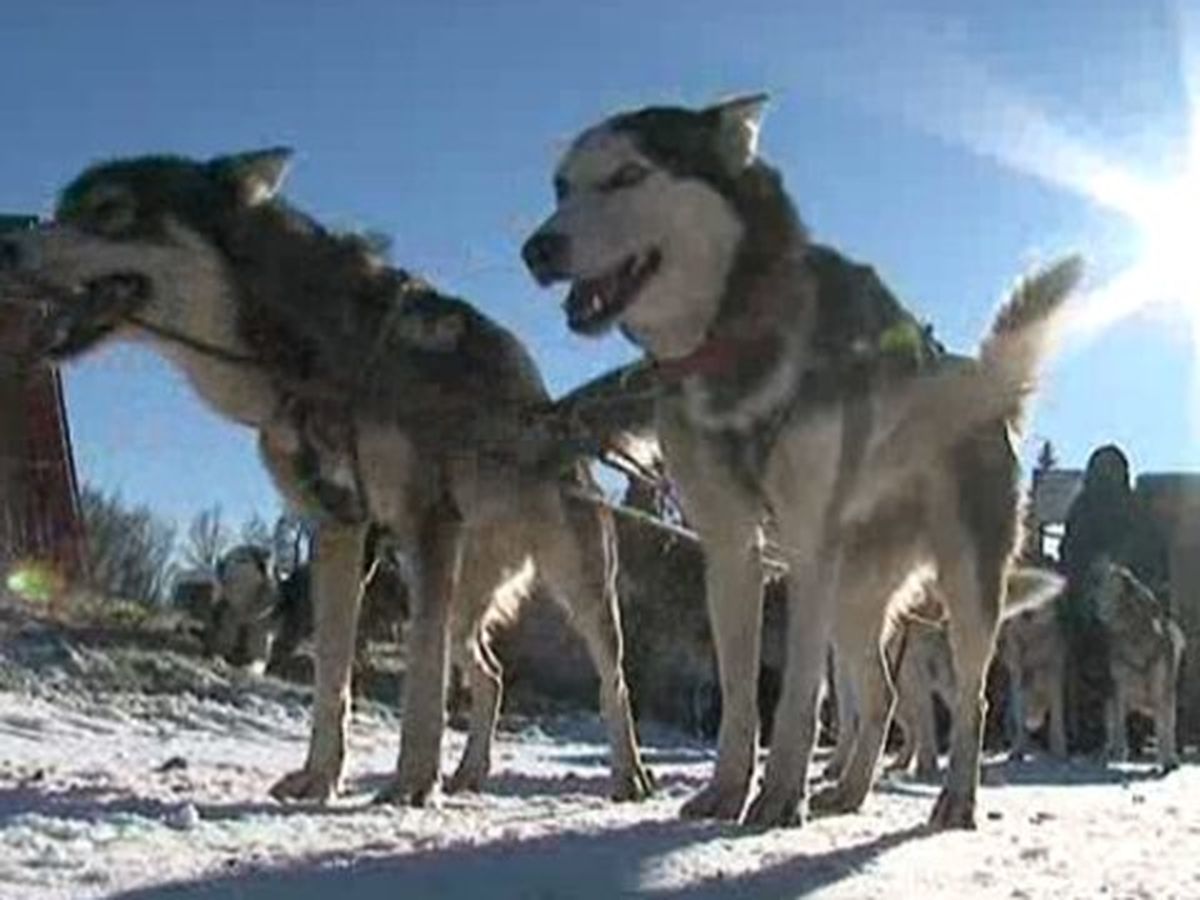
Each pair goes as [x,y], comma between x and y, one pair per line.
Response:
[1170,227]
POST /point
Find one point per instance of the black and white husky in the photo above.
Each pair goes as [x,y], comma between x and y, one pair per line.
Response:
[376,399]
[795,388]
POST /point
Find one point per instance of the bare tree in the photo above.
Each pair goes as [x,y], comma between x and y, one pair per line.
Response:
[129,548]
[257,533]
[207,540]
[291,535]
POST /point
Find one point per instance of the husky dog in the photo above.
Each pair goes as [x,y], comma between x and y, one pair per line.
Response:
[243,625]
[1034,650]
[1145,649]
[376,399]
[916,646]
[259,619]
[792,385]
[917,651]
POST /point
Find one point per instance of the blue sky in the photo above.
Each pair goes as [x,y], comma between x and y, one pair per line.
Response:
[438,123]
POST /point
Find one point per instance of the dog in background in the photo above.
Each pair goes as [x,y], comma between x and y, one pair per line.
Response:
[1145,649]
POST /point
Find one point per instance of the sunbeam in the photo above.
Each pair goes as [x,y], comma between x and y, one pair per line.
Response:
[933,83]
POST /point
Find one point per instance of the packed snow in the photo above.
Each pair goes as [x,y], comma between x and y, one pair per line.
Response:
[143,772]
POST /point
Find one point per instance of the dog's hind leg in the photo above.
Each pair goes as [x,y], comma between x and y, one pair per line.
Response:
[869,579]
[337,565]
[486,684]
[847,716]
[577,560]
[921,719]
[1117,745]
[439,546]
[1164,719]
[974,586]
[481,579]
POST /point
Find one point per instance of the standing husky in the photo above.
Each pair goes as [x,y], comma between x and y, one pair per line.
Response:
[786,392]
[1145,649]
[375,399]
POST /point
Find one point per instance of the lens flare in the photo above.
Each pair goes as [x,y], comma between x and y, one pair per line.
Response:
[35,582]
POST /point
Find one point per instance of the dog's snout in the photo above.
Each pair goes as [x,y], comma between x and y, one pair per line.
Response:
[545,255]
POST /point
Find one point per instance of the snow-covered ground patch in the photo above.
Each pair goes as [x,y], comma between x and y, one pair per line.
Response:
[136,773]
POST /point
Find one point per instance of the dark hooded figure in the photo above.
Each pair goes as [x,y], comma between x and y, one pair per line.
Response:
[1105,521]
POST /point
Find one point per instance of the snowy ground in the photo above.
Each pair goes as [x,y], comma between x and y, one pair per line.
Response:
[137,774]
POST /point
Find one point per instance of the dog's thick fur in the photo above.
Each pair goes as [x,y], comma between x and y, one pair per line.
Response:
[792,389]
[376,399]
[1145,649]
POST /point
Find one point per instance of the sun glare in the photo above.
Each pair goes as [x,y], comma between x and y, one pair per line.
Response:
[1170,235]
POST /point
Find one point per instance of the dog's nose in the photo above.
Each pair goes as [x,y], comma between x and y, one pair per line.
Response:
[545,255]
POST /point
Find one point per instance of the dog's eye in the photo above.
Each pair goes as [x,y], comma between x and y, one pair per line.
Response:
[626,176]
[112,215]
[561,189]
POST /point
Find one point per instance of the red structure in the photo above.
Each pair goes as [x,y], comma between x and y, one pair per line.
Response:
[45,522]
[40,517]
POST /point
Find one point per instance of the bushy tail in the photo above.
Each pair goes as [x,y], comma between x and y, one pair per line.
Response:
[1030,588]
[934,411]
[1014,348]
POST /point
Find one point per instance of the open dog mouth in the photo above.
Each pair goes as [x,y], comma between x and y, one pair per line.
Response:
[74,319]
[593,304]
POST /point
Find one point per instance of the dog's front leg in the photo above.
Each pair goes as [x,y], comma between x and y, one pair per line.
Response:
[734,587]
[1164,720]
[428,662]
[1018,735]
[1058,715]
[812,590]
[727,519]
[337,564]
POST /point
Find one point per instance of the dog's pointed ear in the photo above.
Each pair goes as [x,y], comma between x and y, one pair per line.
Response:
[257,175]
[738,121]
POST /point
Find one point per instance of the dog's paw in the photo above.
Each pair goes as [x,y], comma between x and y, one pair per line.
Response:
[397,794]
[306,784]
[953,812]
[716,801]
[634,785]
[926,772]
[467,779]
[832,801]
[776,809]
[407,791]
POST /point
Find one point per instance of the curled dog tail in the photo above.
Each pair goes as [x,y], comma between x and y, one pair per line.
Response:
[1014,348]
[1030,588]
[932,412]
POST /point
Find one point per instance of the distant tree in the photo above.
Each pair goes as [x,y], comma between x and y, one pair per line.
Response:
[207,540]
[1047,458]
[256,532]
[289,542]
[129,549]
